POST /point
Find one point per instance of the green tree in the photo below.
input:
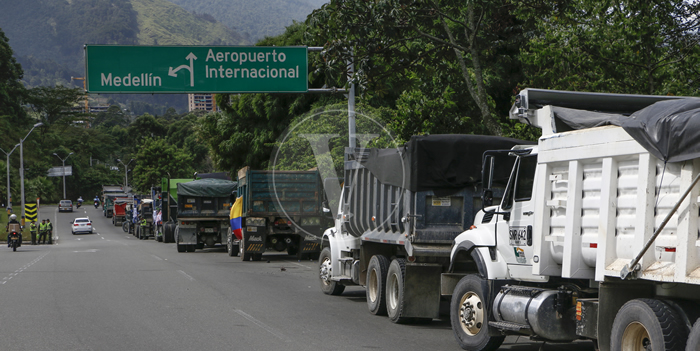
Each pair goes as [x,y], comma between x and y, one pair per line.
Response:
[56,104]
[114,116]
[476,40]
[638,47]
[12,92]
[155,159]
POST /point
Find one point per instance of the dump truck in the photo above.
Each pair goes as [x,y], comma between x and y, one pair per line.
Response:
[203,208]
[399,212]
[145,211]
[169,207]
[596,236]
[282,211]
[120,211]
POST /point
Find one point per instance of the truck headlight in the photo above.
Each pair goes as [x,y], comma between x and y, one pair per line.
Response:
[310,221]
[254,222]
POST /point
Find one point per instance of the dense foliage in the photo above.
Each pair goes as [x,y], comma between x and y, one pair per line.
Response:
[420,67]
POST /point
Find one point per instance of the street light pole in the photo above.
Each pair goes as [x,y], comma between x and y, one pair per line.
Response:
[63,161]
[21,164]
[126,170]
[9,193]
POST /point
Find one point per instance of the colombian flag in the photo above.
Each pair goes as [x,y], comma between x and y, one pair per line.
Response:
[235,216]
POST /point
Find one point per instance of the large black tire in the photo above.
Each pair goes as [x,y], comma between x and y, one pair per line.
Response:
[256,257]
[376,283]
[328,286]
[469,308]
[395,286]
[125,227]
[648,324]
[14,246]
[191,248]
[694,338]
[230,247]
[168,232]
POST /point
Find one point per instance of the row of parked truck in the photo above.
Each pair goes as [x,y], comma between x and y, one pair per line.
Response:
[592,232]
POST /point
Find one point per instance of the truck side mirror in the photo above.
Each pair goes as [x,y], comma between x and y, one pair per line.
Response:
[487,198]
[487,181]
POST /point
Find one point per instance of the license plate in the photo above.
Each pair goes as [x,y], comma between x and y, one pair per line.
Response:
[252,229]
[208,230]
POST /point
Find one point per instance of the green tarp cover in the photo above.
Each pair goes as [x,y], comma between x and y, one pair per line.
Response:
[207,187]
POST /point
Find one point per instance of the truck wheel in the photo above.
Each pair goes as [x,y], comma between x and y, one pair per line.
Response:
[190,248]
[168,230]
[648,324]
[395,291]
[469,315]
[328,286]
[230,247]
[376,282]
[180,248]
[257,256]
[694,338]
[125,227]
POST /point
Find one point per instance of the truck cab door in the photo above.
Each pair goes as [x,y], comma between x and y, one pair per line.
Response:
[515,223]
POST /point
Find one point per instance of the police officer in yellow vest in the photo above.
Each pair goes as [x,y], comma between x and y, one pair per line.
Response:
[42,232]
[32,231]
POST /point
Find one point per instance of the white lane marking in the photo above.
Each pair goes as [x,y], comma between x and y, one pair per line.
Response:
[17,272]
[157,258]
[264,326]
[187,275]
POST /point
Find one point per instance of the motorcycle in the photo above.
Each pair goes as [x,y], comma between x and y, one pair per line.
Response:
[97,203]
[15,240]
[78,205]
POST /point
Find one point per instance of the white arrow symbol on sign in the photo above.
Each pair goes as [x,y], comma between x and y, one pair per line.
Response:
[173,72]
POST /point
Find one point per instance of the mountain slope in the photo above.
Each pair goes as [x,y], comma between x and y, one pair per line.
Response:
[48,36]
[258,18]
[163,23]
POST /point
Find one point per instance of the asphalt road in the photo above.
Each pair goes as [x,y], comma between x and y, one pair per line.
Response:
[111,291]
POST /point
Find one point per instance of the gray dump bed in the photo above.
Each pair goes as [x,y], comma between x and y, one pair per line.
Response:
[425,192]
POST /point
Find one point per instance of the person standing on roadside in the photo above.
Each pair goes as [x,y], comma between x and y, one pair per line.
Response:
[32,231]
[49,230]
[42,232]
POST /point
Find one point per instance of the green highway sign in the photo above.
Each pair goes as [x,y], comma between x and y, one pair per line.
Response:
[195,69]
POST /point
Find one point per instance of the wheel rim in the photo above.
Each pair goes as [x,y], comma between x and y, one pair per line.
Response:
[471,313]
[326,271]
[372,288]
[636,337]
[393,285]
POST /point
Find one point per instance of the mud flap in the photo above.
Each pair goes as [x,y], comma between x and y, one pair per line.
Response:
[254,241]
[422,290]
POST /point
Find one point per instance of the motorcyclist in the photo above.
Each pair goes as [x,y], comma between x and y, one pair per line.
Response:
[80,200]
[13,225]
[97,201]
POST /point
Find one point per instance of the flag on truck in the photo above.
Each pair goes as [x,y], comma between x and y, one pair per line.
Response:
[235,216]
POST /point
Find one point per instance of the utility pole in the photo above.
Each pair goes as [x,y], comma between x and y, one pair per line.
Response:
[9,193]
[63,161]
[21,164]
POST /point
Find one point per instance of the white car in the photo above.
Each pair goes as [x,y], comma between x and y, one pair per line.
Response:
[81,225]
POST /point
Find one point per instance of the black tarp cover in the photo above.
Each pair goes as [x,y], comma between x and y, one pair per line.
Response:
[209,187]
[441,163]
[669,129]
